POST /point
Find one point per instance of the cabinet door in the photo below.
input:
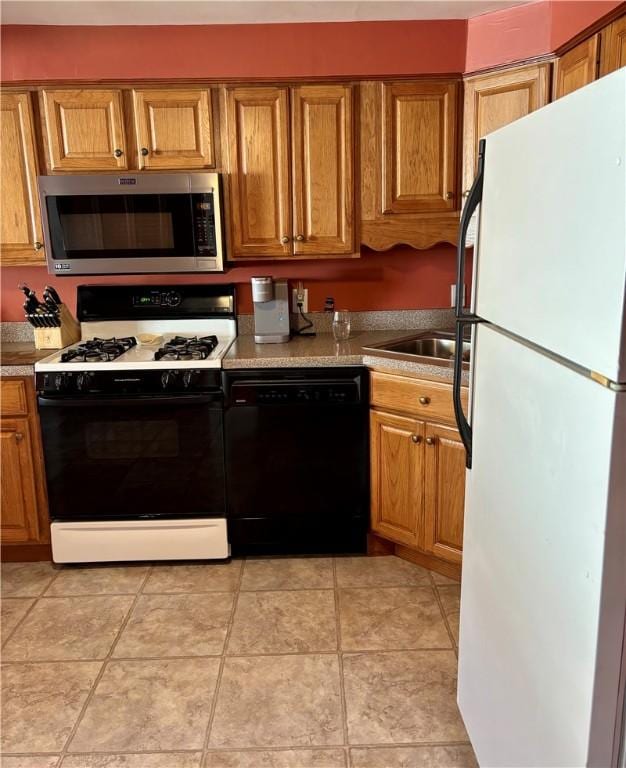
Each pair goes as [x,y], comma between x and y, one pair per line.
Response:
[19,499]
[258,138]
[444,492]
[323,183]
[493,101]
[576,68]
[84,130]
[20,223]
[397,477]
[613,46]
[419,147]
[174,128]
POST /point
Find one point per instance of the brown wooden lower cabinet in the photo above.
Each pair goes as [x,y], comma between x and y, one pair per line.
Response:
[417,480]
[24,527]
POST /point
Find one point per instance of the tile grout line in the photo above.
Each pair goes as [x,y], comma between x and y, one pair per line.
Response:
[35,599]
[342,690]
[220,671]
[105,662]
[443,613]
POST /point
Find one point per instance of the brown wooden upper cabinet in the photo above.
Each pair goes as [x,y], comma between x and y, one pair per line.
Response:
[576,68]
[409,158]
[291,180]
[174,128]
[20,224]
[418,147]
[84,130]
[613,46]
[495,100]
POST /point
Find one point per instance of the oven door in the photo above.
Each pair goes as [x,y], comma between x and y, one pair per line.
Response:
[139,457]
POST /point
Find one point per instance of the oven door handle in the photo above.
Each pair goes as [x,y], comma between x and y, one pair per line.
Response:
[91,402]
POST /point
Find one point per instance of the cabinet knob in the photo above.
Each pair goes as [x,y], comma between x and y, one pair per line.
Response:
[38,246]
[466,193]
[19,437]
[449,195]
[424,400]
[284,239]
[118,153]
[144,151]
[430,440]
[299,238]
[416,439]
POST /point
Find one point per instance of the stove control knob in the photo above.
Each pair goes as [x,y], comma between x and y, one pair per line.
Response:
[188,379]
[60,381]
[168,379]
[173,299]
[83,380]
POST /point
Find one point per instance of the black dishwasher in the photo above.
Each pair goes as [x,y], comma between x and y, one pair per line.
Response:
[297,460]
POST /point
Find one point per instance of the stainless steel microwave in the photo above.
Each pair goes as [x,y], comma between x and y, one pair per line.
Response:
[132,223]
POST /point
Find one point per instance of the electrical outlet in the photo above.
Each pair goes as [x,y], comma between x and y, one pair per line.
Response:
[300,295]
[453,295]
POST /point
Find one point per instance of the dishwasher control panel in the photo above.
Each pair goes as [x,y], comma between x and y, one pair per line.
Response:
[294,393]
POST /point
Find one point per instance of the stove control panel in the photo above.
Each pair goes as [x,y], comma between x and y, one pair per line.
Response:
[142,382]
[157,298]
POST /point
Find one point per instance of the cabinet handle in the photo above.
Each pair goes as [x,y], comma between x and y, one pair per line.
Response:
[431,440]
[284,239]
[38,246]
[449,195]
[299,238]
[416,439]
[118,153]
[424,400]
[144,151]
[466,193]
[19,437]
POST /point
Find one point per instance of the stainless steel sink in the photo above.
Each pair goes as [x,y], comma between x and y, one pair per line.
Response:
[435,347]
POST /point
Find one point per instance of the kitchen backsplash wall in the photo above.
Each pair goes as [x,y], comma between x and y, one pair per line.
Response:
[401,278]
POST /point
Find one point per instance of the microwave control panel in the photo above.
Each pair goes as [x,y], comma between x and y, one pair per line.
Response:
[204,224]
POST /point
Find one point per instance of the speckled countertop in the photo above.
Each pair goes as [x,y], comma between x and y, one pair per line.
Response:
[322,350]
[17,358]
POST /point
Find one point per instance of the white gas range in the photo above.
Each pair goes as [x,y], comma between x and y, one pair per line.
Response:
[132,425]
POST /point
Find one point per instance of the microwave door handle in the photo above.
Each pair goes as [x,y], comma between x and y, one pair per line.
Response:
[474,199]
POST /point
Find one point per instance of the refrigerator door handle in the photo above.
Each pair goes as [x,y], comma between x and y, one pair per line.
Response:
[473,201]
[464,427]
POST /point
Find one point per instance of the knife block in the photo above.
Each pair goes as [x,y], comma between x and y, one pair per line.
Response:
[56,338]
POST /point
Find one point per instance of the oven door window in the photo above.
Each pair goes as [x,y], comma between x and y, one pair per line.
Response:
[121,226]
[133,460]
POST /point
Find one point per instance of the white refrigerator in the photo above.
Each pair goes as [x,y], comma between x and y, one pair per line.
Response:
[543,595]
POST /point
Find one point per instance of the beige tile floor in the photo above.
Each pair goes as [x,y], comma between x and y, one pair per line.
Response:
[266,663]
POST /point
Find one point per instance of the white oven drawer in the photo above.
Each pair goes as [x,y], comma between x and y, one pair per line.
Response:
[127,540]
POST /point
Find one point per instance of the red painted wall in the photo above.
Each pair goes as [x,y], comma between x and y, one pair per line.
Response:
[528,30]
[398,279]
[41,53]
[569,17]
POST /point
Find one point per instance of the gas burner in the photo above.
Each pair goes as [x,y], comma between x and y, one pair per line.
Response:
[183,348]
[98,350]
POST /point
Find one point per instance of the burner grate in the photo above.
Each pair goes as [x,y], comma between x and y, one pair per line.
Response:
[98,350]
[184,348]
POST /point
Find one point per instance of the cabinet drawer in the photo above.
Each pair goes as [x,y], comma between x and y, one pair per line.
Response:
[13,400]
[426,399]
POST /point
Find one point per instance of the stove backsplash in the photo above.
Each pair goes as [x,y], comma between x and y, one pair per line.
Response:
[396,319]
